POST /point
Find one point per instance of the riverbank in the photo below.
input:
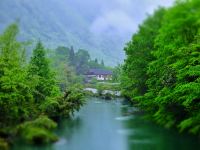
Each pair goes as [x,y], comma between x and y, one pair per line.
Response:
[40,129]
[96,93]
[162,69]
[105,90]
[112,125]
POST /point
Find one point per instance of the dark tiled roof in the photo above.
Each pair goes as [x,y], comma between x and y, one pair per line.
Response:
[99,72]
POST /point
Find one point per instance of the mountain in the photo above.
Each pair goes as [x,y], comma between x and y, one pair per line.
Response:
[60,23]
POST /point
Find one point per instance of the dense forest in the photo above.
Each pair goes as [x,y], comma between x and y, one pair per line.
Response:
[162,69]
[32,95]
[80,60]
[44,87]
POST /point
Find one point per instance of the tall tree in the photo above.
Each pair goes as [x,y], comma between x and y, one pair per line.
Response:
[102,63]
[63,53]
[138,52]
[39,70]
[14,90]
[173,74]
[82,60]
[65,71]
[164,57]
[96,60]
[72,56]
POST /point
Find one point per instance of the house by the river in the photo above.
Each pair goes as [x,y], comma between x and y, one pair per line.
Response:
[99,74]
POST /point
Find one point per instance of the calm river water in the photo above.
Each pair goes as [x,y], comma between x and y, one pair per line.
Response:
[112,125]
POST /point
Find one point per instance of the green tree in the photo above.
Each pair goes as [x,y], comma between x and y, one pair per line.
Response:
[94,64]
[82,60]
[102,63]
[39,71]
[165,54]
[175,52]
[63,65]
[138,52]
[117,73]
[96,60]
[63,53]
[27,91]
[72,57]
[15,95]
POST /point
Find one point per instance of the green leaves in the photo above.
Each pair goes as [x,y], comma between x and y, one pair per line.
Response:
[14,92]
[167,66]
[39,69]
[27,91]
[139,55]
[38,131]
[191,124]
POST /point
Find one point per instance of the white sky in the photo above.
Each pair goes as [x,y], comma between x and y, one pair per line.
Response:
[122,16]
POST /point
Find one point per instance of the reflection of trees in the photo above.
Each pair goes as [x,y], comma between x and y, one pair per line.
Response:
[20,145]
[145,135]
[67,127]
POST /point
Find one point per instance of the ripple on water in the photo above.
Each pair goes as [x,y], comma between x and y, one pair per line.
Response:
[61,142]
[97,102]
[127,132]
[142,141]
[124,106]
[124,118]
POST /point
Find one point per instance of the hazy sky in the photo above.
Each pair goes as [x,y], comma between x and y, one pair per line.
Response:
[119,16]
[103,27]
[124,15]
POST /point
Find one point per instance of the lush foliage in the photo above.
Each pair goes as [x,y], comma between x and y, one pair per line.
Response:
[63,60]
[117,71]
[139,55]
[161,71]
[29,90]
[15,94]
[63,106]
[38,131]
[3,144]
[80,62]
[39,69]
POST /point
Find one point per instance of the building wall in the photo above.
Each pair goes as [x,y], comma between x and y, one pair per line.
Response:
[104,77]
[99,77]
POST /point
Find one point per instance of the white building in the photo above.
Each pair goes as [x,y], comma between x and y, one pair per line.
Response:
[99,74]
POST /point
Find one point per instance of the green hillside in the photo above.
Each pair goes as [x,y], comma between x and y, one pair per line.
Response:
[58,24]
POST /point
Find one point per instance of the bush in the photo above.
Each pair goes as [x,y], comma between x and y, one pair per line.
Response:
[3,144]
[73,99]
[38,131]
[36,135]
[57,107]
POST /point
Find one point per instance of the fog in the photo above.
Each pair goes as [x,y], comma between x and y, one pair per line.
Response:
[121,17]
[102,27]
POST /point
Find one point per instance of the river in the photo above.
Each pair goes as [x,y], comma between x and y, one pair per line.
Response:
[112,125]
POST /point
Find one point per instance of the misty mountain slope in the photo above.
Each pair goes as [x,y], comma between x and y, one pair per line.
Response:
[58,23]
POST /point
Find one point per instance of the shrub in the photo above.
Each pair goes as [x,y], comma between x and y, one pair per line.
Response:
[38,131]
[3,144]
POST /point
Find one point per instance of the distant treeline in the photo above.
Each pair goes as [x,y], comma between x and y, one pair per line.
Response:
[80,60]
[162,69]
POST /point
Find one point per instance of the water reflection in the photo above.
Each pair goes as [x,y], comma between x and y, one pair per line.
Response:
[93,128]
[69,126]
[144,135]
[111,125]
